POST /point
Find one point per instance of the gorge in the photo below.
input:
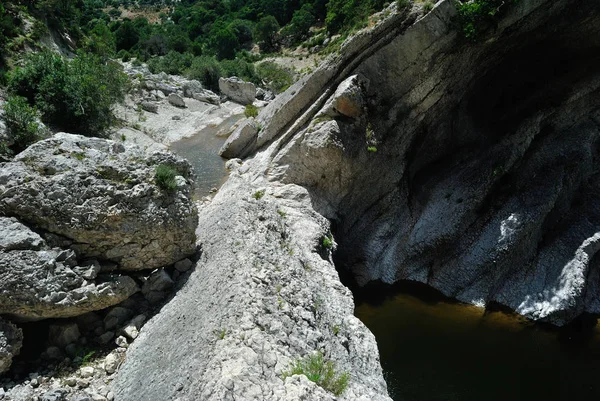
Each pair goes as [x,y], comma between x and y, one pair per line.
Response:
[455,177]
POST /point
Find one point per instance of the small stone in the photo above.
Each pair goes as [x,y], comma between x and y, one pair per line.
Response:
[55,395]
[70,381]
[83,383]
[121,342]
[176,100]
[54,353]
[71,350]
[183,265]
[62,335]
[34,383]
[110,396]
[176,118]
[149,106]
[131,332]
[111,363]
[86,371]
[106,337]
[117,315]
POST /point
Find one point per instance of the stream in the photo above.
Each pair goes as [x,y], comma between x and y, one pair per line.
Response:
[202,151]
[436,349]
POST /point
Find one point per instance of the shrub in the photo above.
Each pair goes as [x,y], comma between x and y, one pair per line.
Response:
[275,77]
[327,242]
[74,96]
[251,111]
[165,177]
[321,372]
[402,4]
[476,15]
[21,123]
[206,70]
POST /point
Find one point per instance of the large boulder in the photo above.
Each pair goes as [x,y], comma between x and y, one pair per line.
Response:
[207,96]
[238,90]
[104,196]
[37,281]
[11,340]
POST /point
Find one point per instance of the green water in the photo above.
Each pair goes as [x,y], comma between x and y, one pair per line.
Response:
[202,151]
[433,349]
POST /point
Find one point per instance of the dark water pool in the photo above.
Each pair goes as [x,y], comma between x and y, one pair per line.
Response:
[433,349]
[202,151]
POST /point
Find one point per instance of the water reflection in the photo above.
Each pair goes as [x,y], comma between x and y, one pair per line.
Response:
[433,348]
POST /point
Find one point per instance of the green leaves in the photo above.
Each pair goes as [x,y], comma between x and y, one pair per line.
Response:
[320,371]
[22,123]
[74,96]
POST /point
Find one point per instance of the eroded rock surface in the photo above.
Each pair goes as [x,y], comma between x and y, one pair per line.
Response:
[11,340]
[37,281]
[102,195]
[263,294]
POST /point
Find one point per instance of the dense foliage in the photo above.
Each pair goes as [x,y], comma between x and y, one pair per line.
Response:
[476,15]
[72,95]
[22,125]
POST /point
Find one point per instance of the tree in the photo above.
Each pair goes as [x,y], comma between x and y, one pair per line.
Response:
[266,33]
[225,43]
[101,40]
[74,96]
[126,36]
[22,124]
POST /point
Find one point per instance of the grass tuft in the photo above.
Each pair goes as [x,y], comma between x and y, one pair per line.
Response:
[321,372]
[165,178]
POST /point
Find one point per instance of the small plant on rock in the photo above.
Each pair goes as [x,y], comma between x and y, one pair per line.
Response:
[165,177]
[321,372]
[327,242]
[259,194]
[251,111]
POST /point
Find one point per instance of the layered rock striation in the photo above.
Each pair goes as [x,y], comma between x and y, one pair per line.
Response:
[473,166]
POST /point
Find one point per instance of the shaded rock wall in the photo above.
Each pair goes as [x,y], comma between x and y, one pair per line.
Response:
[473,167]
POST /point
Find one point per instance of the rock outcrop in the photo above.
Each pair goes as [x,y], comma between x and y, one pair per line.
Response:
[37,281]
[11,340]
[264,294]
[103,196]
[474,166]
[238,90]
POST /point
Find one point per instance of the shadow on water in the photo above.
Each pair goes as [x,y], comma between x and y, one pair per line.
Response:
[437,349]
[202,151]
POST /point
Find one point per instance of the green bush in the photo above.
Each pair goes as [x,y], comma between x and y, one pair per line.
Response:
[251,111]
[75,96]
[275,77]
[206,70]
[476,15]
[21,123]
[165,177]
[321,372]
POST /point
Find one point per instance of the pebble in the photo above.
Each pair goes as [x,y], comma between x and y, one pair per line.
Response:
[86,371]
[121,342]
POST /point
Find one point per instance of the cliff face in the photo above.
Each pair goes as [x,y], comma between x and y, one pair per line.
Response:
[473,167]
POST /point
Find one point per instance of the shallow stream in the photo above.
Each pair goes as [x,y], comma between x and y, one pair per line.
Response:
[435,349]
[202,151]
